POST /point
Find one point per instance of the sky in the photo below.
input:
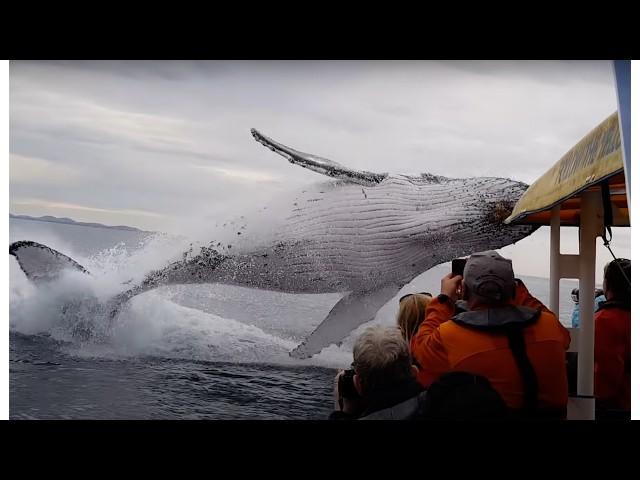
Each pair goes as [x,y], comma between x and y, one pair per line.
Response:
[159,144]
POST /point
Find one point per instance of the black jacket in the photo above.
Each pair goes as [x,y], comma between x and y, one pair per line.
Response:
[383,403]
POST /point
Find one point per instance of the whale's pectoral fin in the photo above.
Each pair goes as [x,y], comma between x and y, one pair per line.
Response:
[319,164]
[41,263]
[350,312]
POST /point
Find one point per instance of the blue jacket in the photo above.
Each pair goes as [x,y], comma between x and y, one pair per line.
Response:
[575,315]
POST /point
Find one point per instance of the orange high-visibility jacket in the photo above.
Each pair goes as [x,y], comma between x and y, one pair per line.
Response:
[442,346]
[612,357]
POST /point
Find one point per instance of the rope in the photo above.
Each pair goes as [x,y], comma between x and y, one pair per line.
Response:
[608,220]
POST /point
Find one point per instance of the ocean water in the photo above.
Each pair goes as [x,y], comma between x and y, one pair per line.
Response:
[182,352]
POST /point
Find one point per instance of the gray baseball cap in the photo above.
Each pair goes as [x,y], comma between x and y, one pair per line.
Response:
[489,276]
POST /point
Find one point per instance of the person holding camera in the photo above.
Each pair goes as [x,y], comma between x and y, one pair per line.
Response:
[382,377]
[503,334]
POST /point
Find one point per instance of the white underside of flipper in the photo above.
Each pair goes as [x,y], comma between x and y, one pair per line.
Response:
[348,314]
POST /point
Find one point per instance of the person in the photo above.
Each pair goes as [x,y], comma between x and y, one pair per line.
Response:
[453,396]
[575,296]
[411,313]
[463,396]
[412,308]
[612,342]
[382,375]
[504,334]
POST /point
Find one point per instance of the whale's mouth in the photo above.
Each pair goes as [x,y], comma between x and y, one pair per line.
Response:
[500,211]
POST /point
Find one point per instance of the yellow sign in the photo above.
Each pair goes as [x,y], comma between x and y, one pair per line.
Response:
[596,157]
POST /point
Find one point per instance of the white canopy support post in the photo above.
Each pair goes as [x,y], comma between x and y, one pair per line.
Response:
[590,226]
[554,257]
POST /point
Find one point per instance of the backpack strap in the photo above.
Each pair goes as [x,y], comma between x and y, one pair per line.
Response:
[510,321]
[514,332]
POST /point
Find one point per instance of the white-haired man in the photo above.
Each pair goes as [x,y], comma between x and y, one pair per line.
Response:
[382,377]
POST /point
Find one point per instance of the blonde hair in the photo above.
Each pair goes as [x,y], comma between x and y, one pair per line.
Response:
[411,314]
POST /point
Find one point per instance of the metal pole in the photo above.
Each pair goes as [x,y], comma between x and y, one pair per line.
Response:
[554,262]
[589,223]
[622,75]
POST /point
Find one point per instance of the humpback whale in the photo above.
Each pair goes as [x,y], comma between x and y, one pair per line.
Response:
[362,234]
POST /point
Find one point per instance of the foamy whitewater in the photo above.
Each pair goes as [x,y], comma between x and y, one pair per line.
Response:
[192,351]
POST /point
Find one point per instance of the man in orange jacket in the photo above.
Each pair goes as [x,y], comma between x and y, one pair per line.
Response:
[612,356]
[505,334]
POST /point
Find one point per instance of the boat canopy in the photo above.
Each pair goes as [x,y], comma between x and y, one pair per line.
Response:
[595,160]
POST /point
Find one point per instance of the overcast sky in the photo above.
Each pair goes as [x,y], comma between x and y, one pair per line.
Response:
[158,144]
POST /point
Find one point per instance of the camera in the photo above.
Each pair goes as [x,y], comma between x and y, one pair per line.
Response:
[346,388]
[457,266]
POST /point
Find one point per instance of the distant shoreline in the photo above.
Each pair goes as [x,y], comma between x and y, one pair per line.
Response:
[69,221]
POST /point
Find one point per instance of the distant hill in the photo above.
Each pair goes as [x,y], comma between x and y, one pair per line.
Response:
[69,221]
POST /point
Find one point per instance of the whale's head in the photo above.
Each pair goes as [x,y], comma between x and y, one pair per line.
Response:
[490,201]
[454,215]
[470,215]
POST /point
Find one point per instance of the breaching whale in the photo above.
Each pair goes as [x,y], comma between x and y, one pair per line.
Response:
[362,234]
